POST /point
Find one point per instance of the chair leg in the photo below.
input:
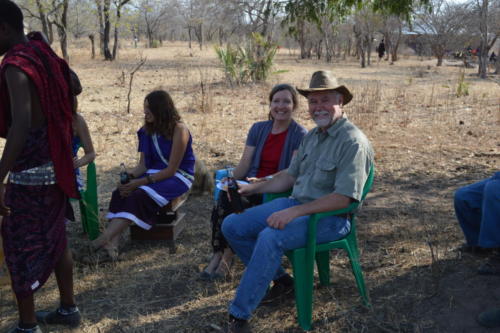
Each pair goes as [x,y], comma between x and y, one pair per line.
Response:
[323,262]
[83,214]
[358,274]
[303,283]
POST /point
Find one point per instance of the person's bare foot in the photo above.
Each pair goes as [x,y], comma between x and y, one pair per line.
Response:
[112,251]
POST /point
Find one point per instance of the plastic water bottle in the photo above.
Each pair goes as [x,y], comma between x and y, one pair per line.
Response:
[124,177]
[234,196]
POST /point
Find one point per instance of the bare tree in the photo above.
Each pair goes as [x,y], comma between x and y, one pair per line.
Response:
[153,12]
[40,10]
[100,18]
[366,22]
[118,8]
[260,14]
[106,4]
[441,25]
[392,31]
[486,18]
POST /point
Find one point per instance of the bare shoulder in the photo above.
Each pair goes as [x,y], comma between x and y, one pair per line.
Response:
[181,127]
[79,120]
[15,75]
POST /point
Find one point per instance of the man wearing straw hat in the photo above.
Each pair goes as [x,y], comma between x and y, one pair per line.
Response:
[328,173]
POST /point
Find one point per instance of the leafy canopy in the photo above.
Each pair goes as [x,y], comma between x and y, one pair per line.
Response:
[314,10]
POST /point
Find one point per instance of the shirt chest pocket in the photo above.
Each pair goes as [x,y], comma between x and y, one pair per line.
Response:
[324,174]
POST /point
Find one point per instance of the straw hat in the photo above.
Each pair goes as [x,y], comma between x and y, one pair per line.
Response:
[324,81]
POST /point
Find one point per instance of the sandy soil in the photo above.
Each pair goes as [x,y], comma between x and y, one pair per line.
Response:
[428,142]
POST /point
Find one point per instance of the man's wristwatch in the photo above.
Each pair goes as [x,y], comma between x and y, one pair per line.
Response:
[150,180]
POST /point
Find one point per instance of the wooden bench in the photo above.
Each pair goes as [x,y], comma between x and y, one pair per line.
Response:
[172,225]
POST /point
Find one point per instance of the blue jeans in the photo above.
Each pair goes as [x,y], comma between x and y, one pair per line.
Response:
[261,247]
[477,207]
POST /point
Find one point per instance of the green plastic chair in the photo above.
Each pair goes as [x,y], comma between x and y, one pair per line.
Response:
[302,259]
[89,207]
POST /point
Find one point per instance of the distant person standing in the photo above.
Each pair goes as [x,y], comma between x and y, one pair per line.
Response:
[493,57]
[35,118]
[381,50]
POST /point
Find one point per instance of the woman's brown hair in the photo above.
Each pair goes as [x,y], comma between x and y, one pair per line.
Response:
[165,114]
[280,87]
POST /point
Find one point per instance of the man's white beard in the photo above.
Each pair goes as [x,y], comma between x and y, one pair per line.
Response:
[323,121]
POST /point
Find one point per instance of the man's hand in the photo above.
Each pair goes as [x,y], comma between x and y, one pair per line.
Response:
[280,219]
[4,210]
[127,189]
[253,180]
[246,189]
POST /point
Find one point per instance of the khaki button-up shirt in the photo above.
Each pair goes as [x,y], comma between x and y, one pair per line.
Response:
[335,161]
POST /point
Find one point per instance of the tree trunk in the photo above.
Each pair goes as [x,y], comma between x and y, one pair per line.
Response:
[395,45]
[50,37]
[62,31]
[388,44]
[265,26]
[319,49]
[117,25]
[92,42]
[101,26]
[368,49]
[200,39]
[44,21]
[302,39]
[329,49]
[107,30]
[190,36]
[483,27]
[439,59]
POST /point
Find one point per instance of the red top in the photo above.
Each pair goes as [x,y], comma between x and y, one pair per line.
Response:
[50,76]
[271,154]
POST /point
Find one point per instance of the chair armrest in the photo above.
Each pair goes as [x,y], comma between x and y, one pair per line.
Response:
[346,210]
[271,196]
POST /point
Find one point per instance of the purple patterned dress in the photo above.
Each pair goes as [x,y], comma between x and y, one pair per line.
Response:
[142,205]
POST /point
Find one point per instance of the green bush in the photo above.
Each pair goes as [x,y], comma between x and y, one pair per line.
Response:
[155,44]
[250,64]
[462,86]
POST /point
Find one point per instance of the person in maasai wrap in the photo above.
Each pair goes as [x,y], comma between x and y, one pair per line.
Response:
[165,171]
[35,119]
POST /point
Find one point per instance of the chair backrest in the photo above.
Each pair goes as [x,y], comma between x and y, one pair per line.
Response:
[369,182]
[366,188]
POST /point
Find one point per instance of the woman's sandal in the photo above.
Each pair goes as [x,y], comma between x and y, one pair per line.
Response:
[205,274]
[216,276]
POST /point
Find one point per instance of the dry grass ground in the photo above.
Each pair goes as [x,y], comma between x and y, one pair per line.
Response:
[428,142]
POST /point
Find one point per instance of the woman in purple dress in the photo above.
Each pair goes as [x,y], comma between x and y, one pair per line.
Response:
[164,172]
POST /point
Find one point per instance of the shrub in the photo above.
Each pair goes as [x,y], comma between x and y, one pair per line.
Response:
[462,86]
[250,64]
